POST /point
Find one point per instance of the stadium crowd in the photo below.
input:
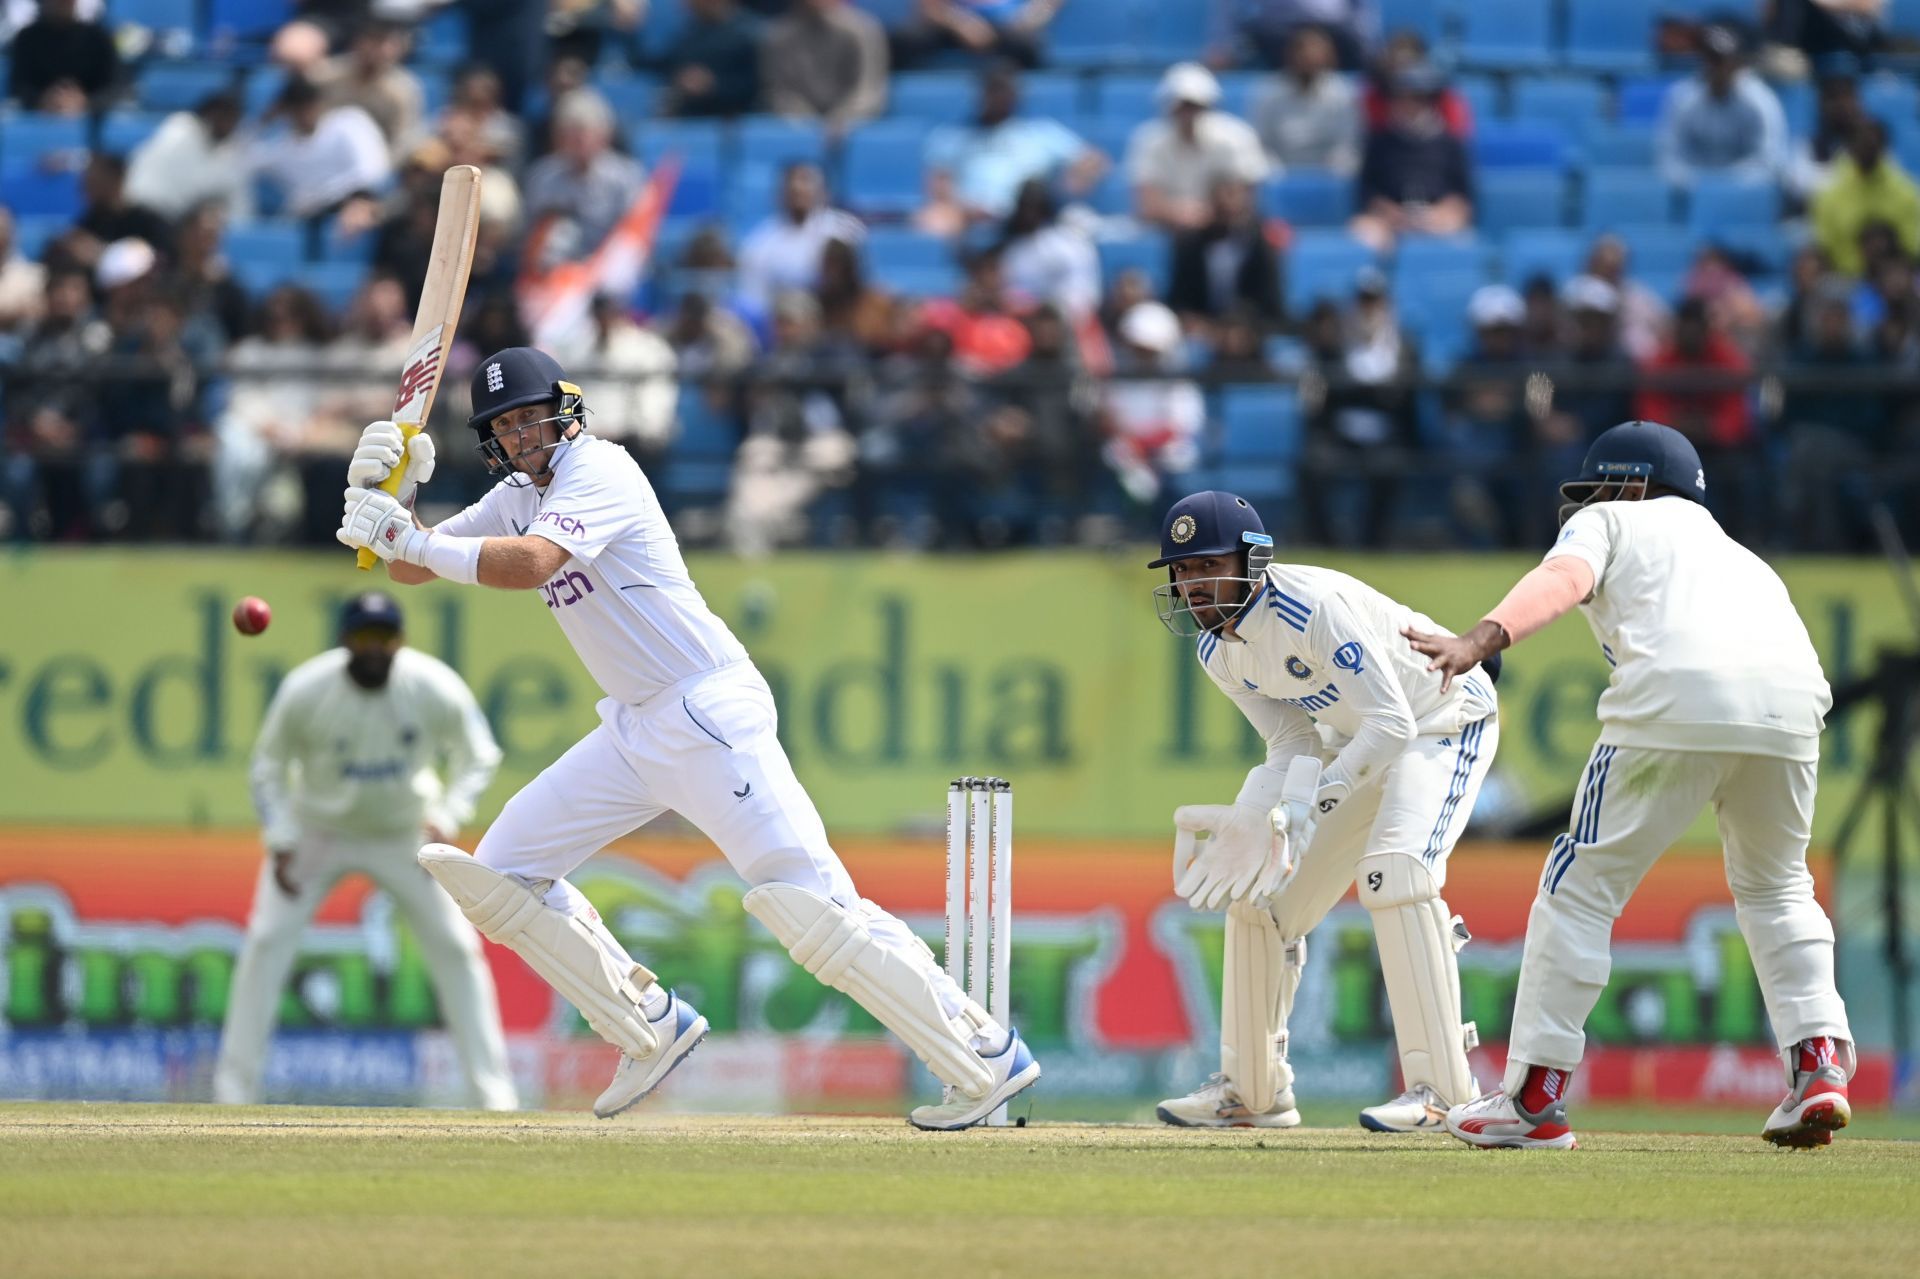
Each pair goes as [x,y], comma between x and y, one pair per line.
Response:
[960,272]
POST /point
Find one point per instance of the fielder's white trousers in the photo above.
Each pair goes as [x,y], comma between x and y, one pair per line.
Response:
[1632,805]
[451,948]
[707,749]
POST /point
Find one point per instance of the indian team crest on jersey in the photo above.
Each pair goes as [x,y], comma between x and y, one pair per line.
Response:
[1299,669]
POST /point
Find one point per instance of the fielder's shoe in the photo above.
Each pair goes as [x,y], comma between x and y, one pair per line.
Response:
[1817,1106]
[1215,1104]
[677,1031]
[1496,1121]
[1418,1109]
[1014,1071]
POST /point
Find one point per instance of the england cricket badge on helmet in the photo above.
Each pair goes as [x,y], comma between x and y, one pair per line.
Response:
[1202,526]
[512,379]
[1629,459]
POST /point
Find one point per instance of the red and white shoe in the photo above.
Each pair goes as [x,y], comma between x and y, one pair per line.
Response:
[1816,1107]
[1496,1122]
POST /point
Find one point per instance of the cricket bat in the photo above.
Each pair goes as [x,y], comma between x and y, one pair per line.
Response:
[448,267]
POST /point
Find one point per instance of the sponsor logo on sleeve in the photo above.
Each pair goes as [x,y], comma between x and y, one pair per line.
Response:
[1348,657]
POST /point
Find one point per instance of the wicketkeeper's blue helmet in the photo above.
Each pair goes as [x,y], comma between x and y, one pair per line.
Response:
[1200,525]
[1637,455]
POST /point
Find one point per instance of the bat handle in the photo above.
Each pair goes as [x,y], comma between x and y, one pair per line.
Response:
[365,559]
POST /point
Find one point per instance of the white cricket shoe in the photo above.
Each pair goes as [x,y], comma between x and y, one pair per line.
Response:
[1816,1104]
[1496,1121]
[1215,1104]
[1418,1109]
[677,1032]
[1014,1071]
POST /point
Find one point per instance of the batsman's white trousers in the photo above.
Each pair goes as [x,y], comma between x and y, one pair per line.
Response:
[705,748]
[451,948]
[1632,805]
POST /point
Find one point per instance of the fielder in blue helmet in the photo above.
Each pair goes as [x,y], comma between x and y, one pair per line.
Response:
[1214,549]
[1633,461]
[523,409]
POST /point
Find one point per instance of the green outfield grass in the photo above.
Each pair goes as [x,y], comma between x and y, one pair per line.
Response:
[193,1190]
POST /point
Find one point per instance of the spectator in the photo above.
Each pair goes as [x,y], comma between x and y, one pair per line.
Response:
[713,64]
[797,443]
[462,142]
[1039,434]
[1825,28]
[1239,347]
[61,64]
[987,338]
[276,382]
[565,78]
[1048,260]
[370,76]
[708,341]
[783,252]
[1010,29]
[1227,265]
[636,395]
[1697,384]
[194,157]
[55,487]
[1805,275]
[200,277]
[1403,51]
[1173,162]
[585,187]
[1489,426]
[1308,116]
[1540,334]
[1723,121]
[325,157]
[973,171]
[586,28]
[110,215]
[509,36]
[23,284]
[1356,400]
[1719,277]
[825,59]
[1833,434]
[1836,113]
[373,339]
[1867,186]
[923,435]
[1594,382]
[1152,421]
[1415,178]
[477,103]
[1643,315]
[1263,28]
[854,315]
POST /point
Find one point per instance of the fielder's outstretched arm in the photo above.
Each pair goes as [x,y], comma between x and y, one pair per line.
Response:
[1546,593]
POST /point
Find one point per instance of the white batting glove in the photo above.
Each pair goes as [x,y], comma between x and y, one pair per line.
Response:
[377,522]
[1240,858]
[382,447]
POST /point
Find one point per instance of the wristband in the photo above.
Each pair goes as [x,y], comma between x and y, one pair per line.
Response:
[457,559]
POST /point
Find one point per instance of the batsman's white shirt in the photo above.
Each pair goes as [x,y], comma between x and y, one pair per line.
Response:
[338,759]
[1708,652]
[625,600]
[1316,645]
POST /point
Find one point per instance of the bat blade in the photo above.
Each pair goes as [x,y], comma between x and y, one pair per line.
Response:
[441,297]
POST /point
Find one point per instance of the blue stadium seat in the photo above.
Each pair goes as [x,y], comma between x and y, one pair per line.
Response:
[155,15]
[1259,424]
[700,146]
[1904,16]
[179,86]
[1554,252]
[880,168]
[696,483]
[939,97]
[1509,198]
[1519,144]
[1625,197]
[248,19]
[1656,249]
[29,137]
[280,243]
[772,142]
[925,281]
[1306,197]
[1611,35]
[262,87]
[1095,35]
[31,193]
[334,282]
[1440,255]
[1483,97]
[1323,264]
[436,87]
[1507,34]
[444,39]
[1767,248]
[1641,98]
[1619,145]
[1717,202]
[124,131]
[1421,16]
[1137,253]
[1239,90]
[1576,104]
[1175,31]
[890,249]
[631,97]
[31,234]
[1799,104]
[1048,95]
[1892,98]
[1433,305]
[1126,96]
[705,435]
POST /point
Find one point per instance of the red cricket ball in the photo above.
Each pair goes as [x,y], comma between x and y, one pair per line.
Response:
[251,615]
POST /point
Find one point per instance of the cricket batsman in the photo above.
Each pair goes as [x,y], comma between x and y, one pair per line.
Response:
[687,724]
[1716,697]
[1304,653]
[365,748]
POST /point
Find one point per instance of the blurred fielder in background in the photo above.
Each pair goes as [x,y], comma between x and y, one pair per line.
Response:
[1717,697]
[1291,645]
[344,780]
[687,724]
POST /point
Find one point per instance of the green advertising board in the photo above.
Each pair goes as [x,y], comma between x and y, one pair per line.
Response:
[126,696]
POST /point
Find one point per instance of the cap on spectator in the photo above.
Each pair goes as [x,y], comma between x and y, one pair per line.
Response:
[1152,327]
[1188,82]
[1493,305]
[1590,293]
[1719,40]
[123,262]
[583,109]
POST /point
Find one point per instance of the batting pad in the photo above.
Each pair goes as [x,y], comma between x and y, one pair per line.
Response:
[1260,975]
[562,948]
[1418,962]
[833,944]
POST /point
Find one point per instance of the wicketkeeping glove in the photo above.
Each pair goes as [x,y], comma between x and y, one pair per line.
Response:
[1240,858]
[378,522]
[382,447]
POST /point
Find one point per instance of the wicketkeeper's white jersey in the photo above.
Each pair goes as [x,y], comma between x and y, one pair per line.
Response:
[334,758]
[1316,645]
[1708,653]
[625,600]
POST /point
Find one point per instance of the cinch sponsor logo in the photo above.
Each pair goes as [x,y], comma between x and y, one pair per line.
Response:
[570,587]
[565,523]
